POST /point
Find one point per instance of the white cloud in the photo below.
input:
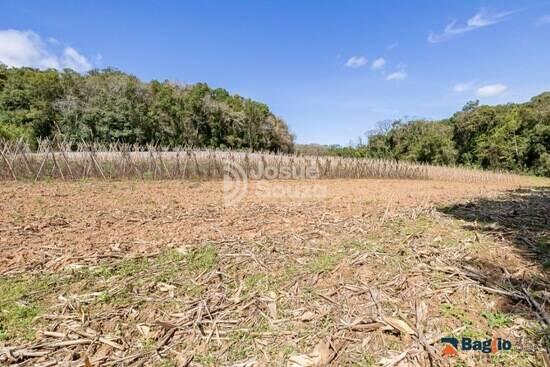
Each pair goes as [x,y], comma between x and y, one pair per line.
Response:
[26,48]
[73,60]
[398,75]
[378,63]
[491,90]
[392,45]
[479,20]
[462,87]
[356,62]
[545,19]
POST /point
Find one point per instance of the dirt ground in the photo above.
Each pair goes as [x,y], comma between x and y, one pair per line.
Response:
[370,272]
[50,226]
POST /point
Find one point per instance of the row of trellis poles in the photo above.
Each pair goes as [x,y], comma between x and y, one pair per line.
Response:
[71,161]
[67,161]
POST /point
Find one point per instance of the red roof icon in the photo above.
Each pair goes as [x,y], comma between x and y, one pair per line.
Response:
[449,350]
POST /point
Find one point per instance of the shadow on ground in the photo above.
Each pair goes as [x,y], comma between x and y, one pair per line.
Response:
[522,219]
[521,216]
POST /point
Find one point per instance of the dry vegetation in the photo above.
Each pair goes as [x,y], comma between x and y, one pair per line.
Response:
[158,273]
[76,161]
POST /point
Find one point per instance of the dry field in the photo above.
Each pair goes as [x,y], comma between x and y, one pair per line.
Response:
[160,273]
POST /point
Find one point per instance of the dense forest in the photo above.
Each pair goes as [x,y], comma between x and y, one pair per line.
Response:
[112,106]
[511,137]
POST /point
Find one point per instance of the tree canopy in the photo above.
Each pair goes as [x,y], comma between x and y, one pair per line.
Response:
[511,137]
[112,106]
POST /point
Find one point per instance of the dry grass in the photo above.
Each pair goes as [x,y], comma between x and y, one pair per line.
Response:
[77,161]
[158,273]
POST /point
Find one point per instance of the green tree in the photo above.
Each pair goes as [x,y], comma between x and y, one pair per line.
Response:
[111,106]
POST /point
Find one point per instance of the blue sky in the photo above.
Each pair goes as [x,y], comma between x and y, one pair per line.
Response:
[331,69]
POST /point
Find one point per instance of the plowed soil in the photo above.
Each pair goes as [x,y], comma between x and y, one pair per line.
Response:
[47,227]
[372,272]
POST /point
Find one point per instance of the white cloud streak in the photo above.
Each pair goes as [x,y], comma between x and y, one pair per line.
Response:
[378,63]
[26,48]
[479,20]
[398,75]
[462,87]
[491,90]
[356,62]
[74,60]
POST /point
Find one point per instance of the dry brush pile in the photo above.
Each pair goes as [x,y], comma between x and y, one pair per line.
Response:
[67,161]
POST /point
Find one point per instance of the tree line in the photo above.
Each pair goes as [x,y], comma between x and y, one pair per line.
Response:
[112,106]
[511,137]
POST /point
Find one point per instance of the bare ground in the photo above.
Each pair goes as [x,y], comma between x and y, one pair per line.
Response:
[376,271]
